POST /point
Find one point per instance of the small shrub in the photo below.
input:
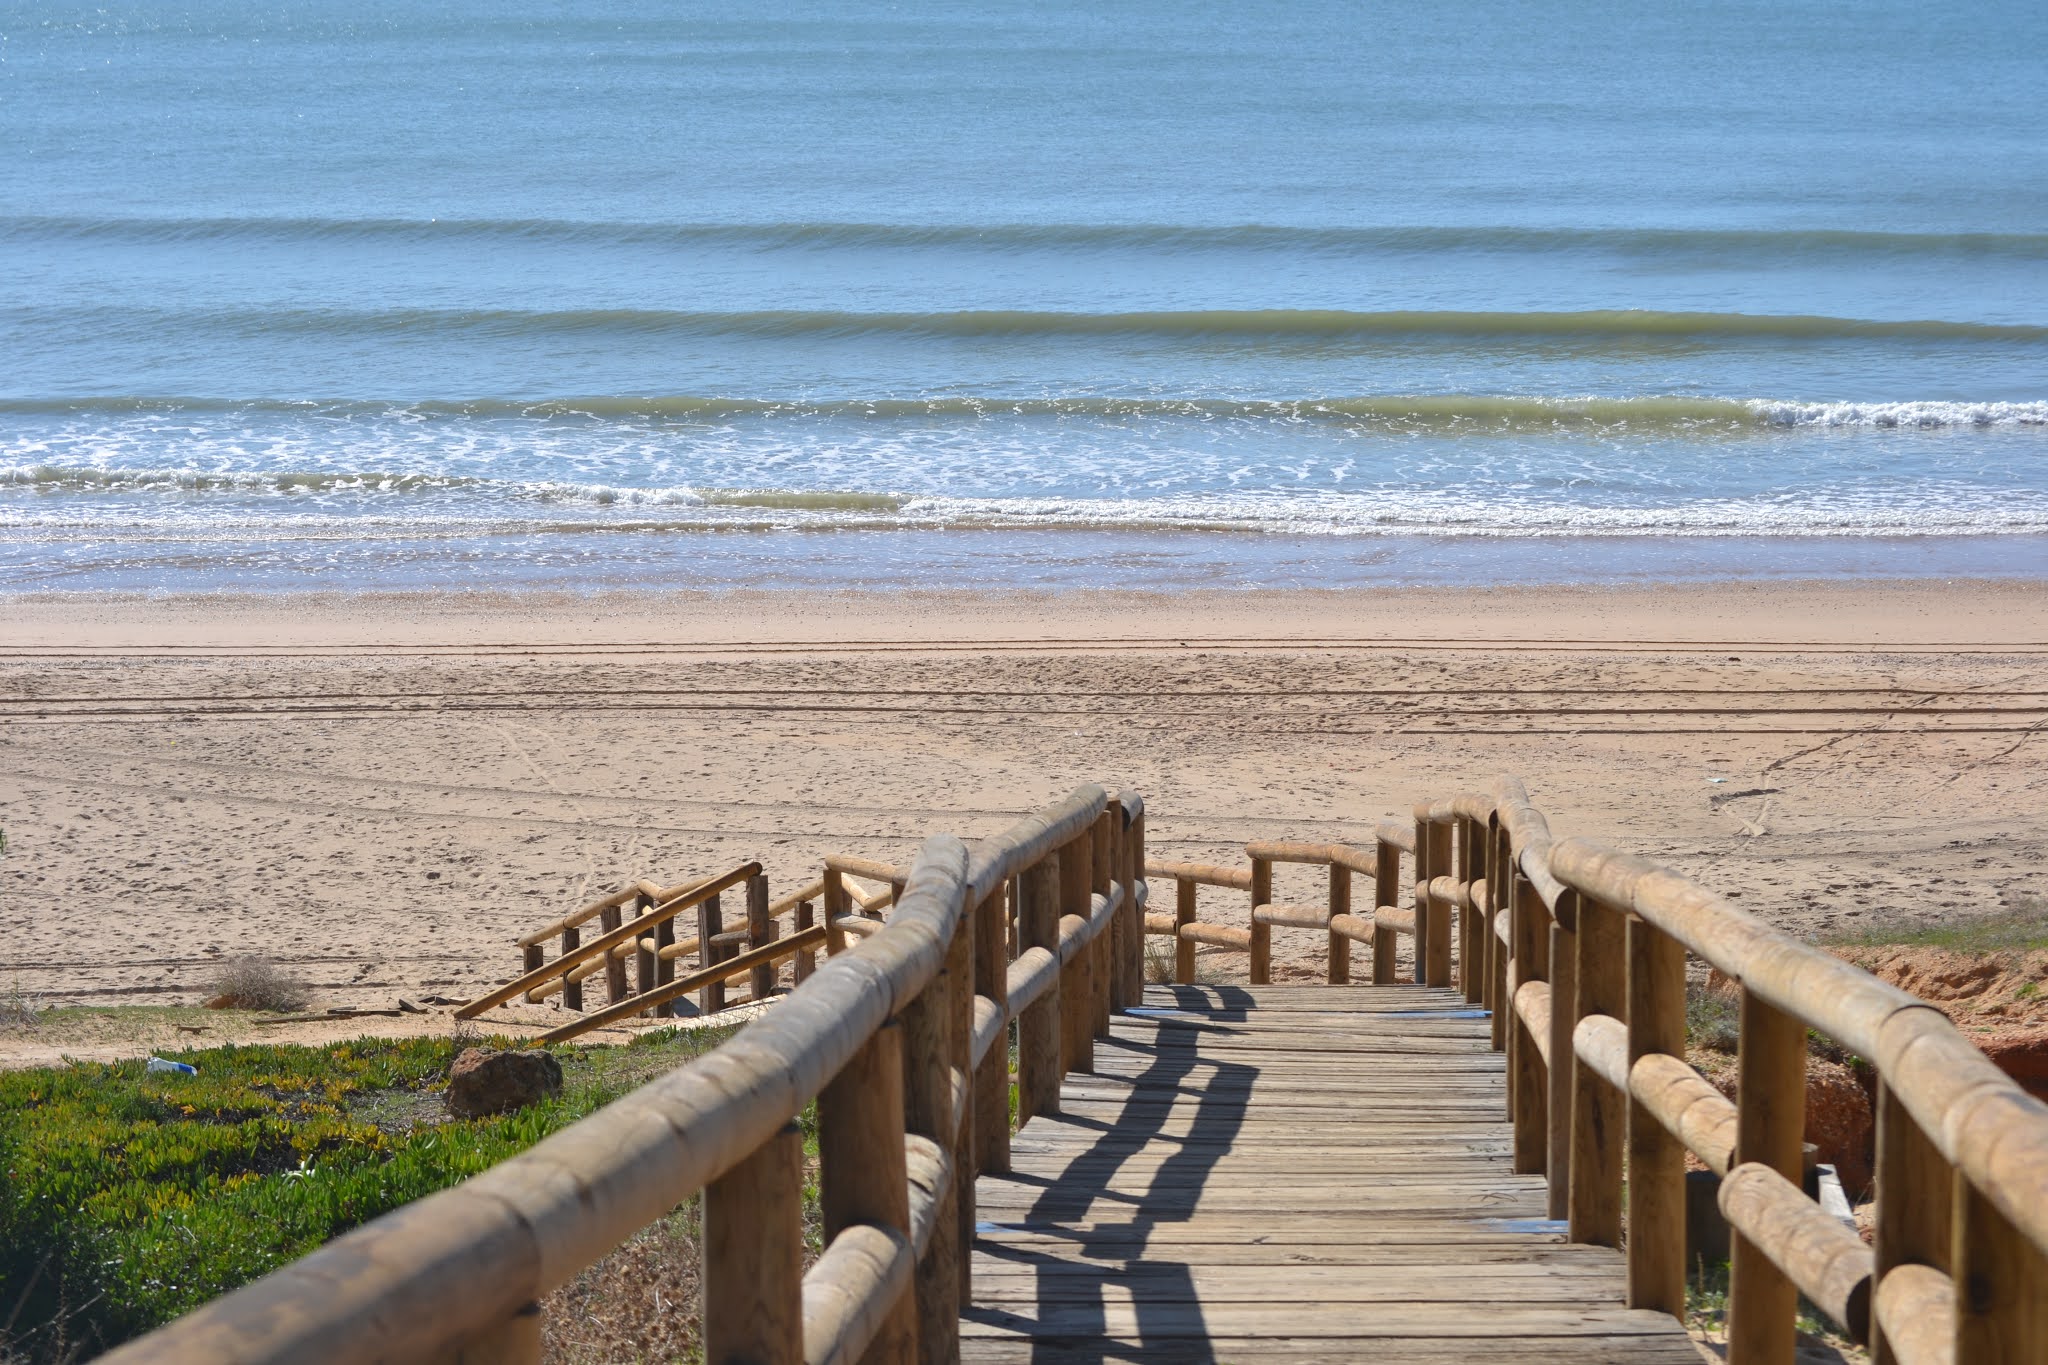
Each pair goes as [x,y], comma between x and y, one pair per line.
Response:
[255,983]
[1712,1020]
[1158,962]
[17,1010]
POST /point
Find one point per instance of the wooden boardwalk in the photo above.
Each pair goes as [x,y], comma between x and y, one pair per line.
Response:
[1289,1173]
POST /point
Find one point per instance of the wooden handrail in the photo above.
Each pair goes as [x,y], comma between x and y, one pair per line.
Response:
[459,1270]
[1576,952]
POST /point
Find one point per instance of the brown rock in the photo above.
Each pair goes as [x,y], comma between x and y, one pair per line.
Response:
[484,1081]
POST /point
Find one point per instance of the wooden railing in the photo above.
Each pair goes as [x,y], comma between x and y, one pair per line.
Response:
[1579,954]
[899,1039]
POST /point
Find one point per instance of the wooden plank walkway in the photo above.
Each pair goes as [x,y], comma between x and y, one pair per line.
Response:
[1289,1173]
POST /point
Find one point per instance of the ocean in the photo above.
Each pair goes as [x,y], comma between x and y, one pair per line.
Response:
[317,295]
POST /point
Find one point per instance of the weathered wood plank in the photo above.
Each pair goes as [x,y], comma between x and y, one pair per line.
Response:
[1289,1173]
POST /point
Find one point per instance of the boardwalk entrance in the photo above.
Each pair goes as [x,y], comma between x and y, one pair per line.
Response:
[1289,1173]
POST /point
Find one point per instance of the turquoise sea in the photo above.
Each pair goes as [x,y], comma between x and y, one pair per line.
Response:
[312,294]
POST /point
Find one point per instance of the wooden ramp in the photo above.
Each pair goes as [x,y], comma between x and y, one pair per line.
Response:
[1289,1173]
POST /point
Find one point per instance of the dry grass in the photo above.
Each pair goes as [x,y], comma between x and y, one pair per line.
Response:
[18,1010]
[255,983]
[639,1304]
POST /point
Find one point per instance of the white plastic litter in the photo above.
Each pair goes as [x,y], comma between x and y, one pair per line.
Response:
[182,1068]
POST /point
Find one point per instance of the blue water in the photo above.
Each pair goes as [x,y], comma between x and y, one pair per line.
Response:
[334,294]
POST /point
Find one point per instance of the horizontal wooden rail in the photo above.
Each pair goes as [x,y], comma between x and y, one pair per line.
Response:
[1201,874]
[738,965]
[1342,855]
[604,943]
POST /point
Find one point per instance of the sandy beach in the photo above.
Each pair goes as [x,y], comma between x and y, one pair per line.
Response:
[382,792]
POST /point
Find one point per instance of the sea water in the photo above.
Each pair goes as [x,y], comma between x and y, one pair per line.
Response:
[322,294]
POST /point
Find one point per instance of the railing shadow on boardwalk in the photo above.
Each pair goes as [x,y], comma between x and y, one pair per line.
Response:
[1223,1098]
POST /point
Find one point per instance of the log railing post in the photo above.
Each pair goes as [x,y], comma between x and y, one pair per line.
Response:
[1077,989]
[664,964]
[1499,882]
[934,1047]
[862,1175]
[1120,930]
[807,959]
[614,966]
[1262,934]
[1133,879]
[1108,961]
[1770,1128]
[1340,904]
[1656,1159]
[1564,1017]
[1441,931]
[1597,1108]
[836,902]
[992,1077]
[644,960]
[1473,956]
[1425,868]
[532,958]
[753,1249]
[1386,891]
[572,990]
[1913,1195]
[761,931]
[710,923]
[1038,1027]
[2002,1283]
[1183,915]
[1528,1081]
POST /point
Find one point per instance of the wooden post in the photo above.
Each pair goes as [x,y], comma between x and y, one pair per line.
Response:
[1108,961]
[992,1077]
[862,1177]
[1597,1108]
[1439,912]
[2002,1283]
[934,1043]
[1183,914]
[836,904]
[572,991]
[1913,1197]
[646,965]
[761,930]
[532,957]
[1529,1083]
[1038,1027]
[1262,934]
[1386,890]
[1499,876]
[1656,1160]
[614,967]
[1134,878]
[1770,1127]
[664,967]
[1564,1017]
[1425,868]
[753,1248]
[807,960]
[1340,904]
[710,923]
[1472,952]
[1077,989]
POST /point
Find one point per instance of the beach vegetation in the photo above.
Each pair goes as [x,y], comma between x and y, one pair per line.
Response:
[255,983]
[2021,927]
[128,1197]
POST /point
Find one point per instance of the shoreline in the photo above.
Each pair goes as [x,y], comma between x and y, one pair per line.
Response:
[977,559]
[1906,613]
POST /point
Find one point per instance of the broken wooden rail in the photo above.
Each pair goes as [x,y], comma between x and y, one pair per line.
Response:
[898,1039]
